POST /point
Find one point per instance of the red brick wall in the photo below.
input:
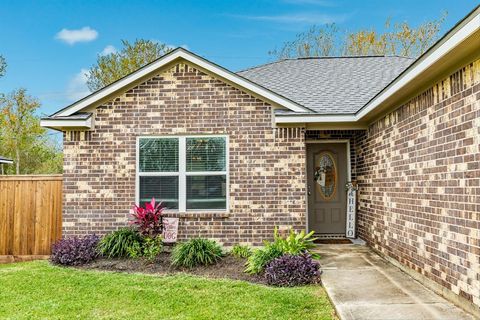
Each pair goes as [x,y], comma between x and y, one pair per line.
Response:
[266,165]
[419,177]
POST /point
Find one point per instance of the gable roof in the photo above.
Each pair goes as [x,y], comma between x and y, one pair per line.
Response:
[329,85]
[349,90]
[151,68]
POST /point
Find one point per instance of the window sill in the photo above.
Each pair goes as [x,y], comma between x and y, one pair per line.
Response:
[198,214]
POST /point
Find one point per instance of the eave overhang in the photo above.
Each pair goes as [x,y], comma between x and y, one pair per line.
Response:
[68,123]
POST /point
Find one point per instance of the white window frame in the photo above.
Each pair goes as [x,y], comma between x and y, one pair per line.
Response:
[182,171]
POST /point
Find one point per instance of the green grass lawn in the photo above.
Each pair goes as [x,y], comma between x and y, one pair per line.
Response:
[38,290]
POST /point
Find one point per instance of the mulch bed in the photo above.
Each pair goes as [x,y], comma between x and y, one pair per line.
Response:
[229,267]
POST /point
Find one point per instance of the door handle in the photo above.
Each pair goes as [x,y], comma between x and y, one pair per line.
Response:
[309,192]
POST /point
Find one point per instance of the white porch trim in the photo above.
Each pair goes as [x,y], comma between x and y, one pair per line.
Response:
[59,124]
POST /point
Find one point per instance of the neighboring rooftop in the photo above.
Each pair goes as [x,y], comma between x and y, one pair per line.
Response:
[329,85]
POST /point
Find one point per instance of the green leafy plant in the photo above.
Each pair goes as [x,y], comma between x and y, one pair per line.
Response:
[261,257]
[152,247]
[135,250]
[239,251]
[196,252]
[117,243]
[296,243]
[149,248]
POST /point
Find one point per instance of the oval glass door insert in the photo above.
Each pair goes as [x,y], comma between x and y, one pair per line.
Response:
[326,175]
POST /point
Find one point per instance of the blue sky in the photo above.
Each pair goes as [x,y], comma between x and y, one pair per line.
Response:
[235,34]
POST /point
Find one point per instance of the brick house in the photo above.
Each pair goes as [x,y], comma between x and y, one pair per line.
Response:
[235,154]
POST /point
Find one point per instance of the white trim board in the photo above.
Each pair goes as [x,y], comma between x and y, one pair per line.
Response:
[61,123]
[314,118]
[179,53]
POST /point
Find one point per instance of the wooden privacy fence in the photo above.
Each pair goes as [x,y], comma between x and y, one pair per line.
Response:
[30,215]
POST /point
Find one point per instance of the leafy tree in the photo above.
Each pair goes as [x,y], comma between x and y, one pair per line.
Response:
[315,42]
[23,139]
[130,58]
[397,39]
[3,66]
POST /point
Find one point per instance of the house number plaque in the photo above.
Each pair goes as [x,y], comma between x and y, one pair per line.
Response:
[351,210]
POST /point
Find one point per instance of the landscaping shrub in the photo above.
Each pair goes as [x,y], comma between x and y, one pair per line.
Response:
[148,220]
[292,270]
[117,243]
[239,251]
[75,251]
[196,252]
[148,248]
[261,257]
[296,243]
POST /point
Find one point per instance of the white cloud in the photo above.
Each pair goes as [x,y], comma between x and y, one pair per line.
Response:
[77,86]
[310,18]
[108,50]
[85,34]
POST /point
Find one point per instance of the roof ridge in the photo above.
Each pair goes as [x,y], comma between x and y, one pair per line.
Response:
[260,65]
[353,57]
[323,57]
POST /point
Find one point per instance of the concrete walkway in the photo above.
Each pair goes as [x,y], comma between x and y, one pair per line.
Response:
[362,285]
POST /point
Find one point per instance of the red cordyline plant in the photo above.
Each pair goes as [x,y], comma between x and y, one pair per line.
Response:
[148,220]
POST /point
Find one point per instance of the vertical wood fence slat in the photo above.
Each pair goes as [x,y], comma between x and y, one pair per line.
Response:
[30,215]
[3,217]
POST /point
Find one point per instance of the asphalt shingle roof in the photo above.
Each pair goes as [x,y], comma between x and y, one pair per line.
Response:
[329,85]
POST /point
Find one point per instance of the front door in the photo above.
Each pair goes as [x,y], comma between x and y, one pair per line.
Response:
[327,178]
